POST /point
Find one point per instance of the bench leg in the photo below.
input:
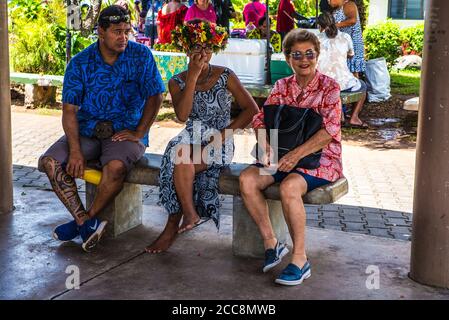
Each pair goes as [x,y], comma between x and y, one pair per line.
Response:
[246,239]
[124,213]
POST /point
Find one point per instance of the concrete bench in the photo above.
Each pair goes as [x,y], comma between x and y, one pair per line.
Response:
[126,211]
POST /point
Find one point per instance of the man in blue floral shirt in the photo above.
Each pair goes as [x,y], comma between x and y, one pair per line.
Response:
[112,93]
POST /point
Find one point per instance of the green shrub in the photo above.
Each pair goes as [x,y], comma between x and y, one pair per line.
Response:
[33,48]
[37,36]
[383,40]
[306,8]
[412,39]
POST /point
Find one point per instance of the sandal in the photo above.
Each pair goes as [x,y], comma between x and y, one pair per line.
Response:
[364,125]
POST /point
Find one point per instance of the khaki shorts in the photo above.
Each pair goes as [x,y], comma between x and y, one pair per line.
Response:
[104,151]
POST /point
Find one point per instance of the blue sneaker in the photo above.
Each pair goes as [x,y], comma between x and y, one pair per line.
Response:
[292,275]
[91,232]
[66,232]
[274,256]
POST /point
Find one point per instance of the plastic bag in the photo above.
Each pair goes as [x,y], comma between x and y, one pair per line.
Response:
[377,80]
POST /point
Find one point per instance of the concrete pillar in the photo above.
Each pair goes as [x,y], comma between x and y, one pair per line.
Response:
[6,188]
[430,236]
[246,239]
[124,213]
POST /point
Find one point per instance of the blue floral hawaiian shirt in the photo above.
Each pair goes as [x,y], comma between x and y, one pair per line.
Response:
[114,93]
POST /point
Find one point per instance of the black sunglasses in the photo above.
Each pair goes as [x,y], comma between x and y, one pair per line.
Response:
[197,48]
[116,19]
[298,55]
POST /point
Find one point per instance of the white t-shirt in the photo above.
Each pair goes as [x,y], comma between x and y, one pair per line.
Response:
[333,59]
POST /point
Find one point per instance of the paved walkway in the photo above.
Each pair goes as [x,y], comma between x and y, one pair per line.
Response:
[35,266]
[379,201]
[200,264]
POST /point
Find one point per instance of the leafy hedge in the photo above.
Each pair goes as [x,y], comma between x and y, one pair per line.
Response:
[37,36]
[388,40]
[412,39]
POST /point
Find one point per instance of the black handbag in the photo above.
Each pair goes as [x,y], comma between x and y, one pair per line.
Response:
[294,127]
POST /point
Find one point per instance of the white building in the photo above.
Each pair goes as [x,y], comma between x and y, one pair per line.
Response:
[403,12]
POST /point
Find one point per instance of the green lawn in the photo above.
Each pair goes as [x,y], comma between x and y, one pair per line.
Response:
[405,82]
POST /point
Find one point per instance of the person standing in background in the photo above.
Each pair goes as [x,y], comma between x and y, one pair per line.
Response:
[286,17]
[325,7]
[224,11]
[201,10]
[336,48]
[171,15]
[253,11]
[347,20]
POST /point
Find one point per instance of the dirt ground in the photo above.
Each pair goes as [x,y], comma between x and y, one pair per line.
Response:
[390,126]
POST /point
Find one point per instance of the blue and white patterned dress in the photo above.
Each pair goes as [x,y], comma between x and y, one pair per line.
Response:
[211,112]
[357,62]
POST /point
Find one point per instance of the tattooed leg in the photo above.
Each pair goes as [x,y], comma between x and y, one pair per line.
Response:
[112,181]
[65,188]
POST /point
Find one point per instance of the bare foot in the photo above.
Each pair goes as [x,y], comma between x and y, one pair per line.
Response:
[167,237]
[188,222]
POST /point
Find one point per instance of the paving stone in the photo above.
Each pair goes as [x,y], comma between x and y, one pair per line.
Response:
[393,214]
[313,216]
[332,221]
[226,212]
[330,207]
[25,181]
[402,229]
[350,226]
[401,235]
[397,222]
[226,205]
[377,225]
[362,231]
[312,209]
[332,227]
[313,223]
[374,217]
[19,173]
[330,214]
[351,211]
[380,232]
[352,218]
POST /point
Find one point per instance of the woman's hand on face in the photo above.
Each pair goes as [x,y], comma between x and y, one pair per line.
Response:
[196,63]
[289,161]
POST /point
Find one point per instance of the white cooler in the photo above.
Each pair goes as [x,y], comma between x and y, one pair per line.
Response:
[246,57]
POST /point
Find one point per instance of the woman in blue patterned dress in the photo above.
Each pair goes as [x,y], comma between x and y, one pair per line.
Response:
[193,160]
[347,20]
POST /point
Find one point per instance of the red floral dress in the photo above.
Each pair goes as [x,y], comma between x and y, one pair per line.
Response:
[323,95]
[168,22]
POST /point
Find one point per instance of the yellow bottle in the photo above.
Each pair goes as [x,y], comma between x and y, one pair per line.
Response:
[92,176]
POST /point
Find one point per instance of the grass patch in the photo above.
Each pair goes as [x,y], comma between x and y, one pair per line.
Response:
[44,111]
[352,131]
[166,114]
[405,82]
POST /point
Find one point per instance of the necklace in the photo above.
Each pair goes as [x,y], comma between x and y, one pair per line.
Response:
[206,79]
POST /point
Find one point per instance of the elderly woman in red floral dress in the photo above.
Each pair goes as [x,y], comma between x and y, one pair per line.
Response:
[307,88]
